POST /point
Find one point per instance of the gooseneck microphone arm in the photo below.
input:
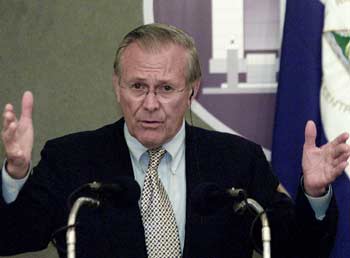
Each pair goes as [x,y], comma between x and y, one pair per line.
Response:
[124,192]
[71,236]
[209,197]
[265,230]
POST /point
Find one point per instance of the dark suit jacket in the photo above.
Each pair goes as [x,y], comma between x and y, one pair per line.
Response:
[102,155]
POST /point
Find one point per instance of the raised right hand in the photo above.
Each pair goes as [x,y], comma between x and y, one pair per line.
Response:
[18,137]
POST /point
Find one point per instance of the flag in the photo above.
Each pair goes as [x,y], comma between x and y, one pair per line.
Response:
[298,100]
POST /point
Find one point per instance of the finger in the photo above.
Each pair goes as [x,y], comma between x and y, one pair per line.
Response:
[8,117]
[310,134]
[344,157]
[338,170]
[342,138]
[9,134]
[27,105]
[9,107]
[340,150]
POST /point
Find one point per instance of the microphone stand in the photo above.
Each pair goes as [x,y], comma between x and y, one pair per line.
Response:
[71,236]
[265,230]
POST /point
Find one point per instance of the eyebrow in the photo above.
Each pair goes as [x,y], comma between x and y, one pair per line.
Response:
[143,80]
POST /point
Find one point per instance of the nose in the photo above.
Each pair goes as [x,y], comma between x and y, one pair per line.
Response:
[151,103]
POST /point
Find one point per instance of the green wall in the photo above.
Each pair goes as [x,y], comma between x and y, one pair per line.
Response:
[63,52]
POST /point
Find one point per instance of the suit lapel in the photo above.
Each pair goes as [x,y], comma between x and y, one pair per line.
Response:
[193,178]
[118,158]
[118,164]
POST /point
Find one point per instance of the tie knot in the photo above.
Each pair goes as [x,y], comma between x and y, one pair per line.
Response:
[155,155]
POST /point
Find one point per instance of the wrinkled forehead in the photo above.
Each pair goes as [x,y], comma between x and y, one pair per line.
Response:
[155,47]
[169,57]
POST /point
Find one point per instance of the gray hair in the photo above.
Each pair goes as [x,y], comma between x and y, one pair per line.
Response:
[154,36]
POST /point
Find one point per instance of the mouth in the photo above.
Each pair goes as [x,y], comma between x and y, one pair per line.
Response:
[151,123]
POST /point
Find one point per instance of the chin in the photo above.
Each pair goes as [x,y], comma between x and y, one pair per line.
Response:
[151,142]
[150,138]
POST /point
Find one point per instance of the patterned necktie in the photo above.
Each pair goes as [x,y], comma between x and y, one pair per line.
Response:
[161,232]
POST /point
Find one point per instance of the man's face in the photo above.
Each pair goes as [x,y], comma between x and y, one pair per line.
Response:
[150,120]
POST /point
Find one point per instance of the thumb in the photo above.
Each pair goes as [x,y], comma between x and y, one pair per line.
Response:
[310,134]
[27,105]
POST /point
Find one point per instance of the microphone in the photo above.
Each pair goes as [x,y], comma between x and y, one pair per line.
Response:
[121,193]
[208,198]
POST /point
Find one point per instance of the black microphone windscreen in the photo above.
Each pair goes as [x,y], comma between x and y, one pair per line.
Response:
[131,190]
[207,198]
[123,192]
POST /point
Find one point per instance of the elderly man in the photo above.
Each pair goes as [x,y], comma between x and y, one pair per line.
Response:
[156,76]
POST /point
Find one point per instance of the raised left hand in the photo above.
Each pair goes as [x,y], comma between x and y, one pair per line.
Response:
[321,166]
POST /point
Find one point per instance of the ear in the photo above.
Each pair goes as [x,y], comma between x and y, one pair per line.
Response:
[115,81]
[193,93]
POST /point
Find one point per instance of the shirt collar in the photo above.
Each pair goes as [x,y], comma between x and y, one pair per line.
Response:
[135,147]
[175,147]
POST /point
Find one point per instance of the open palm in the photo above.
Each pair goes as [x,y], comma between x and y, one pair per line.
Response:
[18,137]
[321,166]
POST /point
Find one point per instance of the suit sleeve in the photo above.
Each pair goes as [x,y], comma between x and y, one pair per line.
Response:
[295,231]
[28,222]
